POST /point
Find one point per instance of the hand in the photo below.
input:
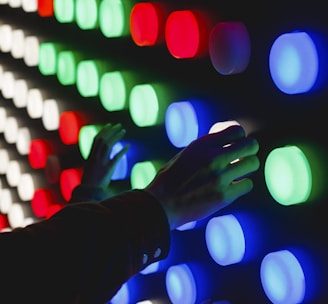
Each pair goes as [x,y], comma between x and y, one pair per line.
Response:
[205,176]
[99,167]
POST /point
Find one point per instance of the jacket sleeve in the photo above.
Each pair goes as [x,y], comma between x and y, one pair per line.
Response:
[85,252]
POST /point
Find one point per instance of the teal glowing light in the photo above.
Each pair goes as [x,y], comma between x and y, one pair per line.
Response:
[282,278]
[64,10]
[288,175]
[86,14]
[180,285]
[86,136]
[225,240]
[294,63]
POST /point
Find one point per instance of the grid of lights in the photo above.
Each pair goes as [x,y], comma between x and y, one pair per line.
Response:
[39,127]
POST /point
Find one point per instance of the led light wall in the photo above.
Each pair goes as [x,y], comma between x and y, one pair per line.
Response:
[170,72]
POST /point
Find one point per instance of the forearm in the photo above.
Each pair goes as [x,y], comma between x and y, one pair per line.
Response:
[86,251]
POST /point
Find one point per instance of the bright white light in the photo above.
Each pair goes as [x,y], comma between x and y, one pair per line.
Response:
[14,171]
[17,214]
[23,140]
[27,185]
[8,84]
[222,125]
[30,6]
[18,44]
[11,129]
[31,50]
[34,103]
[5,37]
[15,3]
[51,115]
[20,93]
[6,200]
[4,160]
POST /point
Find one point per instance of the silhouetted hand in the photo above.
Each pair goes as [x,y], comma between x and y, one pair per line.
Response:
[206,176]
[99,167]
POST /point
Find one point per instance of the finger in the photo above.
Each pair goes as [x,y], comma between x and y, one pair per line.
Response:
[219,139]
[240,169]
[227,155]
[236,190]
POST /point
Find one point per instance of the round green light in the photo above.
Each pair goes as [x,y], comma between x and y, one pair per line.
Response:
[288,175]
[87,78]
[142,174]
[144,105]
[66,67]
[113,21]
[48,58]
[113,90]
[64,10]
[86,14]
[86,135]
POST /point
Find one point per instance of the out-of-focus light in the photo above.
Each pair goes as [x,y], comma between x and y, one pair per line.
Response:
[41,200]
[85,138]
[18,213]
[67,67]
[147,104]
[20,93]
[229,47]
[147,22]
[70,124]
[24,138]
[5,156]
[31,50]
[187,226]
[222,125]
[113,90]
[53,209]
[288,175]
[181,123]
[143,173]
[8,84]
[180,285]
[11,129]
[64,10]
[4,224]
[48,53]
[282,278]
[294,63]
[45,8]
[152,268]
[186,34]
[28,183]
[14,171]
[113,18]
[68,180]
[30,6]
[18,43]
[121,168]
[34,103]
[3,116]
[89,73]
[225,240]
[7,198]
[87,14]
[15,3]
[39,151]
[52,110]
[122,296]
[6,37]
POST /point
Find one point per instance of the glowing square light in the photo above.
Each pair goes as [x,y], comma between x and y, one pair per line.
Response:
[48,58]
[67,62]
[181,123]
[64,10]
[294,63]
[146,23]
[229,47]
[282,278]
[142,173]
[86,14]
[113,18]
[186,35]
[46,8]
[225,240]
[146,105]
[180,284]
[288,175]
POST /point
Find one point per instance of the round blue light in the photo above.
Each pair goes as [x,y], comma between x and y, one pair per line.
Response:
[282,278]
[122,296]
[180,285]
[121,169]
[181,123]
[152,268]
[225,240]
[293,63]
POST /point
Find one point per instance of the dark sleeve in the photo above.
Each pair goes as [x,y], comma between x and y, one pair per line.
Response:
[86,193]
[85,252]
